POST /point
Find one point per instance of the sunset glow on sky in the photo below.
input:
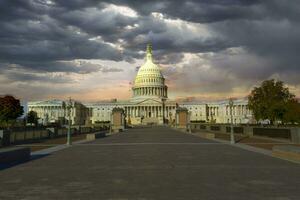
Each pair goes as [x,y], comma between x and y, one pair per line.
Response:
[90,50]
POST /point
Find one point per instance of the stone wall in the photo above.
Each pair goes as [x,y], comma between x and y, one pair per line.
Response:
[32,135]
[285,133]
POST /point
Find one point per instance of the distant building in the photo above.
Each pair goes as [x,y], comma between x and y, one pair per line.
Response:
[55,111]
[149,104]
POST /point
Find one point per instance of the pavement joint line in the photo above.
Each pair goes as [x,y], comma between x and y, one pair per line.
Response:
[168,143]
[85,142]
[150,143]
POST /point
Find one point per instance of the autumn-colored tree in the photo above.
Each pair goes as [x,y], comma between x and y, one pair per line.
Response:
[10,109]
[270,100]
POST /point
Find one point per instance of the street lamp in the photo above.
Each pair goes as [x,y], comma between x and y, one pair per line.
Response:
[231,119]
[69,107]
[163,107]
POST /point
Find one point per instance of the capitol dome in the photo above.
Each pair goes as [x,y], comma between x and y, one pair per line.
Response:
[149,81]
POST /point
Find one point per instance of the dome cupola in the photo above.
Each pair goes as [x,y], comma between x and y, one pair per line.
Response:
[149,81]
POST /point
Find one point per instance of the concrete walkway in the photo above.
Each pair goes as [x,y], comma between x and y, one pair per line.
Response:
[152,163]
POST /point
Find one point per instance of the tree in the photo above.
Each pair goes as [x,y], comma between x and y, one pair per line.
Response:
[292,114]
[32,117]
[10,109]
[270,100]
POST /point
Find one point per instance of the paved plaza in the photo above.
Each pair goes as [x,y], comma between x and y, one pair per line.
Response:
[152,163]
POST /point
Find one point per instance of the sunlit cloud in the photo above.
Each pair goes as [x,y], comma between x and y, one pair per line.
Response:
[91,50]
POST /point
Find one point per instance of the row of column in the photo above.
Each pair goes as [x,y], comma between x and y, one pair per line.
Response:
[52,111]
[150,91]
[213,111]
[146,111]
[238,110]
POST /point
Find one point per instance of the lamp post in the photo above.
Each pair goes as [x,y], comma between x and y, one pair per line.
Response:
[231,120]
[163,107]
[69,107]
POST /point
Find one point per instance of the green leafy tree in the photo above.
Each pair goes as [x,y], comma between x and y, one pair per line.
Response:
[270,100]
[292,114]
[10,109]
[32,117]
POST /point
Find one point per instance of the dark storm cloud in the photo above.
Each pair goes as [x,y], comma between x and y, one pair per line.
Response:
[38,41]
[29,77]
[47,36]
[197,10]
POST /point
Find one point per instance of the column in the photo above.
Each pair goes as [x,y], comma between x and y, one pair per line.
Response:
[133,111]
[153,111]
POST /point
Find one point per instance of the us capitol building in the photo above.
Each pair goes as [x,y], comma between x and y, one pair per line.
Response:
[149,104]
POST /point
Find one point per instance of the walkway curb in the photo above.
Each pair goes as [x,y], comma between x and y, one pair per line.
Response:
[243,146]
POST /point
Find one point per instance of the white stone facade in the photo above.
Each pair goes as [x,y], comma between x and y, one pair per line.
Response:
[149,104]
[219,112]
[55,111]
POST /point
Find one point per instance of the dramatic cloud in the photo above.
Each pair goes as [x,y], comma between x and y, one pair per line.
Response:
[207,48]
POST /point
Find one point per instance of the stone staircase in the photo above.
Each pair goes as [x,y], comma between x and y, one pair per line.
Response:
[150,120]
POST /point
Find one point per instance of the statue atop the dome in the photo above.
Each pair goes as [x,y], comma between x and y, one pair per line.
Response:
[149,52]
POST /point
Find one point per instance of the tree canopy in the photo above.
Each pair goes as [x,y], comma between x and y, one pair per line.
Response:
[10,109]
[273,101]
[32,117]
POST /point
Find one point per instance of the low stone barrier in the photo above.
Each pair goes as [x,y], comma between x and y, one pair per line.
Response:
[14,154]
[61,132]
[288,152]
[207,135]
[93,136]
[291,134]
[283,133]
[33,134]
[4,138]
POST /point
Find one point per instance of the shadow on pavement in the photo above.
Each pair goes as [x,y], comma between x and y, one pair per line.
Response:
[4,166]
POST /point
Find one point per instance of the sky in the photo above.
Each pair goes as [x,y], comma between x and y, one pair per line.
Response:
[90,50]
